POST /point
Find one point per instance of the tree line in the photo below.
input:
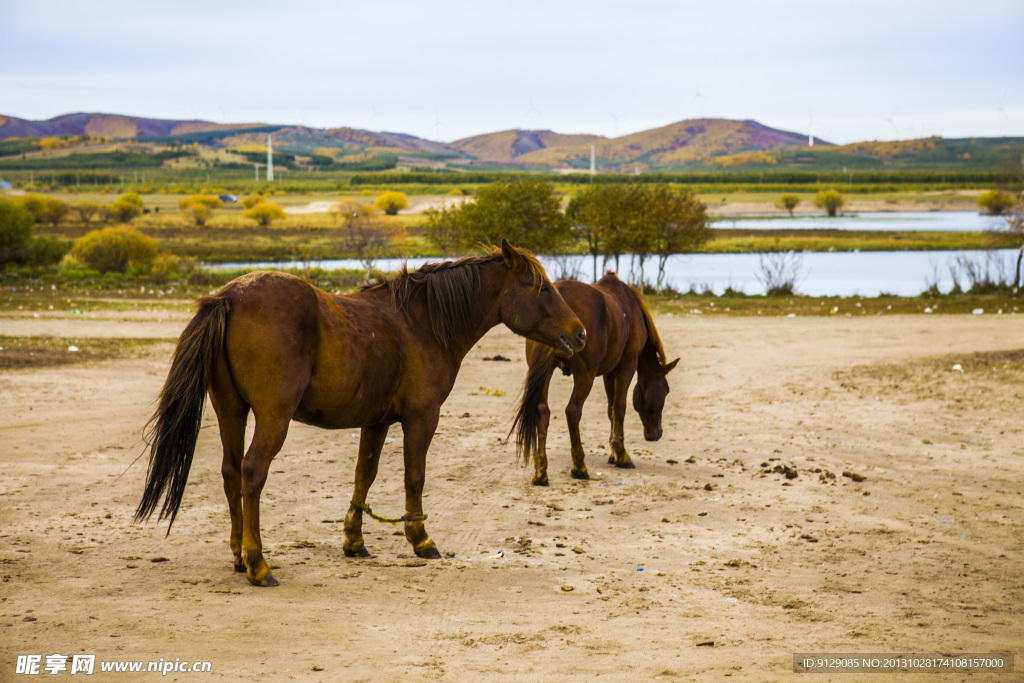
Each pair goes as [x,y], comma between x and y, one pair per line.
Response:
[646,221]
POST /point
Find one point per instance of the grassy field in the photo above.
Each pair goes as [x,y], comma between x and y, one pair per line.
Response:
[317,236]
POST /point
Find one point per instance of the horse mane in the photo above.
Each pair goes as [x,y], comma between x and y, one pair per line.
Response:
[452,290]
[653,338]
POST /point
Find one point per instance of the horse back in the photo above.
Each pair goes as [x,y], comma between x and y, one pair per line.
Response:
[614,321]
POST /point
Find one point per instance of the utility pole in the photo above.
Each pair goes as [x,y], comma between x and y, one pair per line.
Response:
[593,161]
[270,159]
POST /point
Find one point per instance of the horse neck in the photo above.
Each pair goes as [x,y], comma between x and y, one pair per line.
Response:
[647,362]
[486,309]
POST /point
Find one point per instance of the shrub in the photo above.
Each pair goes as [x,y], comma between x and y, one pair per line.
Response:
[115,249]
[391,202]
[124,211]
[779,272]
[207,200]
[163,266]
[265,212]
[15,232]
[788,202]
[199,208]
[830,200]
[46,250]
[84,212]
[252,200]
[994,202]
[43,209]
[131,198]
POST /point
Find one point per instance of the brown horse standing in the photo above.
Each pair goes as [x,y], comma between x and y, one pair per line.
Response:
[272,344]
[621,341]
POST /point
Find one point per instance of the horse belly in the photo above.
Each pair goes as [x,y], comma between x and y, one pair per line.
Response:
[340,404]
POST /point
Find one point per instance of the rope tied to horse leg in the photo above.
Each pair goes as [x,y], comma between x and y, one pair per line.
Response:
[388,520]
[616,438]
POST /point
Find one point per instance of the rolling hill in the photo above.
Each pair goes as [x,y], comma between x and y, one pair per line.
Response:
[688,145]
[678,144]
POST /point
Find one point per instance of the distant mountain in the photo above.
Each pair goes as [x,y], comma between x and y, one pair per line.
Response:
[691,144]
[692,140]
[685,142]
[108,126]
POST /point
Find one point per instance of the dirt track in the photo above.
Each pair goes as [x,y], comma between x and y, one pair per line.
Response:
[923,555]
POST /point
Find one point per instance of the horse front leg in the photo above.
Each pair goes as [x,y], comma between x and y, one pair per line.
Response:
[582,384]
[418,430]
[266,443]
[371,441]
[617,414]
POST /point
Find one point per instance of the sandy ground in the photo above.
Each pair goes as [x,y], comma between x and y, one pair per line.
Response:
[702,563]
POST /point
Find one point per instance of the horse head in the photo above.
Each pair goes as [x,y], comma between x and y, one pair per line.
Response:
[649,394]
[530,306]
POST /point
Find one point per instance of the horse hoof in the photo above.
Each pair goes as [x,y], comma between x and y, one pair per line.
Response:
[612,460]
[628,465]
[268,581]
[577,474]
[362,552]
[240,567]
[431,553]
[541,481]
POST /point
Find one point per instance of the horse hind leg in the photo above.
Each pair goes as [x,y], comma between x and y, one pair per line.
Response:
[617,386]
[270,434]
[581,387]
[540,458]
[232,438]
[232,414]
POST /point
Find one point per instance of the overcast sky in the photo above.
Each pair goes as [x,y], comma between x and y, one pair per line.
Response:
[851,71]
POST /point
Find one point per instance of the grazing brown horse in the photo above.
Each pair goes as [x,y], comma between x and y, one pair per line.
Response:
[272,344]
[621,341]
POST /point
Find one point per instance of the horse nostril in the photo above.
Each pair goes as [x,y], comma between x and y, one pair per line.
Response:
[582,336]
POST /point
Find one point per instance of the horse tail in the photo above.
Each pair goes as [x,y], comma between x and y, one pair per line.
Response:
[525,425]
[172,432]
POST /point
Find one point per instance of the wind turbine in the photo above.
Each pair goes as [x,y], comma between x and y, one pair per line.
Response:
[437,121]
[616,118]
[374,113]
[531,110]
[810,128]
[892,121]
[698,96]
[1000,108]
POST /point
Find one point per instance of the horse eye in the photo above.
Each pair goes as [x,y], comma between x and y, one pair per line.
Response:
[543,288]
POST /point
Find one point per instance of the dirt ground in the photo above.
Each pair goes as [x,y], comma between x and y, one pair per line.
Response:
[704,562]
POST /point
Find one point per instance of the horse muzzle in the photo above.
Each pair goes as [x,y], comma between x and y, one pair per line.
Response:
[653,434]
[568,345]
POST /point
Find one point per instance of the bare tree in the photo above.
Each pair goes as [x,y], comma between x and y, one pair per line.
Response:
[366,235]
[779,271]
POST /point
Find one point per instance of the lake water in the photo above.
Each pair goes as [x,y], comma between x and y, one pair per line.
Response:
[905,273]
[945,221]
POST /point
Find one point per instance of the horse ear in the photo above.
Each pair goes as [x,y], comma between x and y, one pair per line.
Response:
[509,253]
[668,368]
